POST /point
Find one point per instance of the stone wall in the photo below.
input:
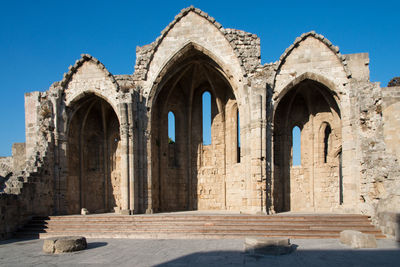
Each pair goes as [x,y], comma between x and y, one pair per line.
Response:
[380,172]
[6,170]
[391,119]
[6,165]
[18,156]
[388,211]
[30,191]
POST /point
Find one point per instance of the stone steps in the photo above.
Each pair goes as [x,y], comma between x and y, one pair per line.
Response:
[199,226]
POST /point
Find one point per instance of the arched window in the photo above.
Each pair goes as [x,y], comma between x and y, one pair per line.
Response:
[171,128]
[327,134]
[296,146]
[238,136]
[206,105]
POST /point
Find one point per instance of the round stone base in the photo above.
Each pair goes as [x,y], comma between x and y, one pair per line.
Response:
[64,244]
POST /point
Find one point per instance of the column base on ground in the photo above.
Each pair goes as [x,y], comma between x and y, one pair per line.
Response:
[127,212]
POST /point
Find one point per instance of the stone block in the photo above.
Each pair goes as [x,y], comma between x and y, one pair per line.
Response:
[267,246]
[356,239]
[84,211]
[64,244]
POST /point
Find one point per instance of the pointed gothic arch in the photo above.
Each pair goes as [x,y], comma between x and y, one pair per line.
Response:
[93,157]
[196,180]
[313,185]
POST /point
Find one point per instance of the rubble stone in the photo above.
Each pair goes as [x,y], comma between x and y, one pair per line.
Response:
[356,239]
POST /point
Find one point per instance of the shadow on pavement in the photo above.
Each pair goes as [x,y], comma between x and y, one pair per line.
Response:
[345,257]
[92,245]
[19,241]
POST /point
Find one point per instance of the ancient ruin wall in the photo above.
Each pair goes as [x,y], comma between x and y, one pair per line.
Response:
[391,119]
[313,57]
[388,211]
[368,116]
[237,54]
[380,170]
[30,191]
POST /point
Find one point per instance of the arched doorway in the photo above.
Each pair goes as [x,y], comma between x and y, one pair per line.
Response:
[190,172]
[94,157]
[311,180]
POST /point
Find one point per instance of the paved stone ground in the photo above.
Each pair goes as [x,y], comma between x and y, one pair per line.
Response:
[136,252]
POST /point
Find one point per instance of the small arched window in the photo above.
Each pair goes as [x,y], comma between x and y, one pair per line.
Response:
[206,115]
[296,146]
[171,128]
[327,134]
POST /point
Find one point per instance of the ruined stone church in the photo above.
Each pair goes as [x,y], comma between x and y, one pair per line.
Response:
[100,141]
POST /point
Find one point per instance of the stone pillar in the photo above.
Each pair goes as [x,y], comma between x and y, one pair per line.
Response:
[124,132]
[257,146]
[132,183]
[57,173]
[62,159]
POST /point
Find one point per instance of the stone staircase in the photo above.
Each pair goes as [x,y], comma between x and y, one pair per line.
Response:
[198,226]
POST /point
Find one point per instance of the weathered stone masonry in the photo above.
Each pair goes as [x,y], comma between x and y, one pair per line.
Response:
[100,141]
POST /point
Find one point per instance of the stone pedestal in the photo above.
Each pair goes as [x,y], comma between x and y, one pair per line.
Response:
[64,244]
[356,239]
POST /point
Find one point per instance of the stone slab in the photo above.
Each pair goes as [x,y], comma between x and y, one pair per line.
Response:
[64,244]
[356,239]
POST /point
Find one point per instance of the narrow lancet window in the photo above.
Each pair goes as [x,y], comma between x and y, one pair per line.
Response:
[171,128]
[206,101]
[327,134]
[296,146]
[238,136]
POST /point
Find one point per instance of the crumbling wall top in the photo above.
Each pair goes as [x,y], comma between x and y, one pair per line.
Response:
[394,82]
[85,58]
[245,45]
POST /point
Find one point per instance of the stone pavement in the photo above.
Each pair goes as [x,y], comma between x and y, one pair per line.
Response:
[221,252]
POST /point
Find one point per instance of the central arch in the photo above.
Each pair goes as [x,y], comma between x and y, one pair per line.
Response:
[93,156]
[314,183]
[187,174]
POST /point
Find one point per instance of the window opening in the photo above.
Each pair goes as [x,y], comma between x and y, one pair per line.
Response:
[328,131]
[296,146]
[171,128]
[206,109]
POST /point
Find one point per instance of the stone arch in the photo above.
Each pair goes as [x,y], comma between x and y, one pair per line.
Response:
[329,85]
[311,52]
[314,185]
[87,76]
[199,29]
[93,156]
[188,47]
[75,103]
[179,88]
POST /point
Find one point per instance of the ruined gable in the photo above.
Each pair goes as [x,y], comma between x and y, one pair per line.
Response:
[314,54]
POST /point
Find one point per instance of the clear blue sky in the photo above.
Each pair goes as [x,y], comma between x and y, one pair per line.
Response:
[40,39]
